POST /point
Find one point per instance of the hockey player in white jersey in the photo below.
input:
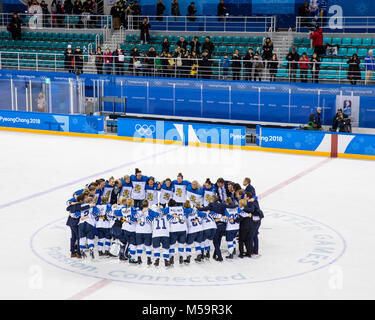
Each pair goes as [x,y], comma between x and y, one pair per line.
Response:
[86,227]
[166,192]
[178,230]
[103,226]
[209,230]
[179,189]
[152,193]
[194,193]
[143,231]
[160,235]
[126,187]
[194,232]
[107,191]
[232,228]
[209,191]
[127,233]
[138,191]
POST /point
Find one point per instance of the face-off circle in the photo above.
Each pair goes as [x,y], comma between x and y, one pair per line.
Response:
[291,245]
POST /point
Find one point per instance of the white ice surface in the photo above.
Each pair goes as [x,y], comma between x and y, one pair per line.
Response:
[39,173]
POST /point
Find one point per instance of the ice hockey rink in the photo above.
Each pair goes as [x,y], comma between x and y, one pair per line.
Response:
[316,240]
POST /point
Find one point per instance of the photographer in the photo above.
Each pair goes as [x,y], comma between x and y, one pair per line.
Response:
[315,122]
[341,121]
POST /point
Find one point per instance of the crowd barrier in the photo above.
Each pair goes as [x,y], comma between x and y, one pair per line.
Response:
[293,141]
[214,99]
[182,133]
[344,145]
[52,122]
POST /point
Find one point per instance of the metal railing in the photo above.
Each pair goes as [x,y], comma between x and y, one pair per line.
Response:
[246,70]
[337,24]
[158,23]
[204,23]
[48,21]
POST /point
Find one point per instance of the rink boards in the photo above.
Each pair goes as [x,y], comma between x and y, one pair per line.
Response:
[316,143]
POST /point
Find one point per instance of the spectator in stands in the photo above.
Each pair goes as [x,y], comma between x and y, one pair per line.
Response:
[53,12]
[192,11]
[107,65]
[182,43]
[195,45]
[137,66]
[150,62]
[205,65]
[369,67]
[45,12]
[158,66]
[248,64]
[175,9]
[145,33]
[225,61]
[68,7]
[186,64]
[99,61]
[273,66]
[267,50]
[118,61]
[194,65]
[208,46]
[134,54]
[165,45]
[160,7]
[69,59]
[221,10]
[304,62]
[136,12]
[317,38]
[354,71]
[179,55]
[116,16]
[59,15]
[77,7]
[78,59]
[125,12]
[164,63]
[236,65]
[303,12]
[293,59]
[315,67]
[14,27]
[258,67]
[171,65]
[88,10]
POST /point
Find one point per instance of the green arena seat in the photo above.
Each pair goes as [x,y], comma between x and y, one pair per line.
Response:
[357,42]
[346,41]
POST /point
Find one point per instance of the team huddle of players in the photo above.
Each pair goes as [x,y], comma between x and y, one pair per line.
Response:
[136,213]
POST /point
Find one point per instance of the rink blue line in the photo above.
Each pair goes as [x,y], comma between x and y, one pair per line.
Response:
[95,175]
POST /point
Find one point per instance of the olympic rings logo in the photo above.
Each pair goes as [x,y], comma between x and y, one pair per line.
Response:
[144,130]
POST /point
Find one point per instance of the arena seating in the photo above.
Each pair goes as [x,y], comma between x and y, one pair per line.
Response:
[223,45]
[333,67]
[48,45]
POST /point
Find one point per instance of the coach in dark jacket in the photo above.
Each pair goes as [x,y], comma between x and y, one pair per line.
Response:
[222,191]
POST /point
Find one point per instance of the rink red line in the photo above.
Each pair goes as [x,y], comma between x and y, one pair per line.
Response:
[293,179]
[102,283]
[95,287]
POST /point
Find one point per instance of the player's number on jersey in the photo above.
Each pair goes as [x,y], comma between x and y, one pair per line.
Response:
[158,224]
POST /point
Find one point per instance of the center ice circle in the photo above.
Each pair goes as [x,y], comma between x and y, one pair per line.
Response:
[291,245]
